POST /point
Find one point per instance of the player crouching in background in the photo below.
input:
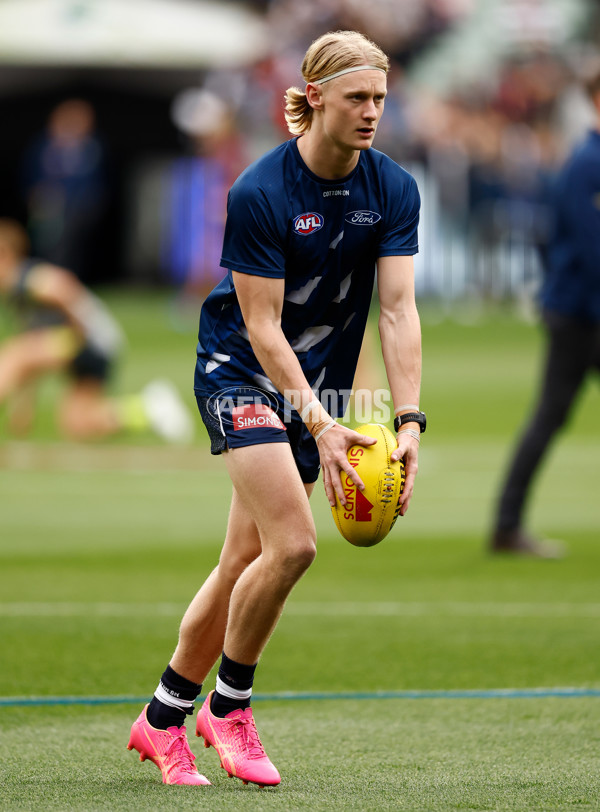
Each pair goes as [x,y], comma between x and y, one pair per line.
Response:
[66,328]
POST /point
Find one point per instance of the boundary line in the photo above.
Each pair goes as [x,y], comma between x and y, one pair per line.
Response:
[494,693]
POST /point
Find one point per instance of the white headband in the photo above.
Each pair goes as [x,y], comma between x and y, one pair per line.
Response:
[342,72]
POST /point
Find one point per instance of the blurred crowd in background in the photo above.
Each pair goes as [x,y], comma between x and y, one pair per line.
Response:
[484,102]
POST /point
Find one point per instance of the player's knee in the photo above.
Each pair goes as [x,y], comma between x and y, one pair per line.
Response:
[231,565]
[306,556]
[298,557]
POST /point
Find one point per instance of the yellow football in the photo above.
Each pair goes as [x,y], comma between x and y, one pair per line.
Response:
[370,514]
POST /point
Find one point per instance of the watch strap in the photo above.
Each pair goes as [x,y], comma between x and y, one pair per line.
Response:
[410,417]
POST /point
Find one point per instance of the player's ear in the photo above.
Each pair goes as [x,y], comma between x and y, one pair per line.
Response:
[314,96]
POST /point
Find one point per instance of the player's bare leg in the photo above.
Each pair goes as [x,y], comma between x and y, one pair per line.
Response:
[21,409]
[26,357]
[201,637]
[202,630]
[87,412]
[269,486]
[206,622]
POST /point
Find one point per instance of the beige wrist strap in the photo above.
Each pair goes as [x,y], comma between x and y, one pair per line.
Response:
[409,407]
[316,418]
[323,430]
[413,433]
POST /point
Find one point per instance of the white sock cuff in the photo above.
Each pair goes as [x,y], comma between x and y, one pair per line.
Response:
[166,697]
[232,693]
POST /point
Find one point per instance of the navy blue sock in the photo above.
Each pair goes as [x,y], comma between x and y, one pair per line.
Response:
[234,687]
[173,700]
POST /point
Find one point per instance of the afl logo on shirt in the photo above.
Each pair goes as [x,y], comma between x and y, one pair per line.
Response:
[307,223]
[362,218]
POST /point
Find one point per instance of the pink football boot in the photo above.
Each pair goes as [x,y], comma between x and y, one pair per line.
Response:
[235,739]
[168,749]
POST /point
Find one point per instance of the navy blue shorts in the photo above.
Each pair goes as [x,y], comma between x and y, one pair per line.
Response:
[90,363]
[244,416]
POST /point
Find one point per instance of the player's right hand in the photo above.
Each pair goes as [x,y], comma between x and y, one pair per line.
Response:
[333,447]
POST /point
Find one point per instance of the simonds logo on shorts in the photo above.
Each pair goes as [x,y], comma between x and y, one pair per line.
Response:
[307,223]
[255,416]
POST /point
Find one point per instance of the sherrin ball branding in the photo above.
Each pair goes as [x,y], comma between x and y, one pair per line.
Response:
[369,515]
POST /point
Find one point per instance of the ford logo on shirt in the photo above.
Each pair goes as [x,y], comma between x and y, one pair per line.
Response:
[308,222]
[362,218]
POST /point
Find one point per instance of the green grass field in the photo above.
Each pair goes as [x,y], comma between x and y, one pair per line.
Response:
[444,666]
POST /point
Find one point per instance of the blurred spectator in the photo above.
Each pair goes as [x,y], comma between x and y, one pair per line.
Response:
[570,298]
[483,146]
[404,28]
[64,175]
[490,150]
[65,328]
[196,190]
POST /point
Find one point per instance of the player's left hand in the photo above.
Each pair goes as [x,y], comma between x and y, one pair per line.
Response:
[408,451]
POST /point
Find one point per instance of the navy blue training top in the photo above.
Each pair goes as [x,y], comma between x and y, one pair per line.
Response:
[572,282]
[324,238]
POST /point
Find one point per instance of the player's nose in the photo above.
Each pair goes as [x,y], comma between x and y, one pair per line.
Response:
[370,111]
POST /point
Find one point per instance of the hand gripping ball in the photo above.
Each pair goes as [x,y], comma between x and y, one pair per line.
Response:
[371,514]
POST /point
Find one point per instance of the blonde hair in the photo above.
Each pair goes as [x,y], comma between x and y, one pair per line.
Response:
[14,237]
[329,54]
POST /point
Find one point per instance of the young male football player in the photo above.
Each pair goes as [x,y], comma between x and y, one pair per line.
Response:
[307,225]
[66,328]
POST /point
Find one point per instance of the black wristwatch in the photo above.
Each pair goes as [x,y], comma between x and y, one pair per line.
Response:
[411,417]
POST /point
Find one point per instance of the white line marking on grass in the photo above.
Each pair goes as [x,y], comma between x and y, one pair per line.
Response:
[314,609]
[454,608]
[81,609]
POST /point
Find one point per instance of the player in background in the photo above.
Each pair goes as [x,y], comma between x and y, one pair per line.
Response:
[66,328]
[570,298]
[307,225]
